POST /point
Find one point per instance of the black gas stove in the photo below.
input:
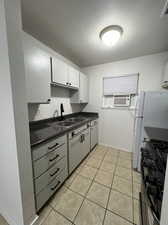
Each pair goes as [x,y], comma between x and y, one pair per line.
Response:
[153,166]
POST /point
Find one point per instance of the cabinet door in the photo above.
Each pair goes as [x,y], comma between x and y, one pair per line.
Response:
[86,143]
[75,155]
[37,70]
[73,77]
[84,97]
[94,135]
[59,71]
[165,78]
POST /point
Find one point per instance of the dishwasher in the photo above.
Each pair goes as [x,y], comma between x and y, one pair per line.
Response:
[93,134]
[79,146]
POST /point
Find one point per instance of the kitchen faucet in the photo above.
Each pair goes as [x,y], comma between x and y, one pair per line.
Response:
[62,110]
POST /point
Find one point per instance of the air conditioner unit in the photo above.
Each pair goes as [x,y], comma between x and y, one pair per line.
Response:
[122,100]
[165,9]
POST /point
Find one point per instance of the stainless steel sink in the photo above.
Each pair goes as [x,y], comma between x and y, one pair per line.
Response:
[65,123]
[75,119]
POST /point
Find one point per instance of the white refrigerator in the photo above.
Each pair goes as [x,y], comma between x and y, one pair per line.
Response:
[151,112]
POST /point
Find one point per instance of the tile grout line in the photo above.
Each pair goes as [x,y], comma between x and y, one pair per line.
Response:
[132,193]
[134,198]
[61,214]
[92,181]
[131,222]
[98,204]
[86,193]
[46,216]
[72,221]
[68,187]
[106,209]
[110,191]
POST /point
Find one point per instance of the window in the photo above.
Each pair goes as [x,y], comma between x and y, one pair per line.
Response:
[119,91]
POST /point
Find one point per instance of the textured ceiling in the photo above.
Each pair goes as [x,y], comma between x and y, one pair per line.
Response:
[72,27]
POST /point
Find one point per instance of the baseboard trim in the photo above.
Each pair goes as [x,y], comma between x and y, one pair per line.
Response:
[8,219]
[122,149]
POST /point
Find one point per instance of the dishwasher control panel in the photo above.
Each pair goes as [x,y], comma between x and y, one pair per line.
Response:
[78,130]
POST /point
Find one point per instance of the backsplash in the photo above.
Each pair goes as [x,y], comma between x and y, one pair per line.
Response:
[58,95]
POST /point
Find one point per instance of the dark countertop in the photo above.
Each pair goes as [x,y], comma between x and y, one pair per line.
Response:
[47,129]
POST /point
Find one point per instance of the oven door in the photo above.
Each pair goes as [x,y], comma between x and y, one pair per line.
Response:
[147,215]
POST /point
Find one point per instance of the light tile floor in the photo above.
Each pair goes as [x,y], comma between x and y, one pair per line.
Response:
[103,190]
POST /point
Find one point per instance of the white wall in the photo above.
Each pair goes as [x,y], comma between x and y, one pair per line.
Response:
[16,182]
[116,126]
[58,95]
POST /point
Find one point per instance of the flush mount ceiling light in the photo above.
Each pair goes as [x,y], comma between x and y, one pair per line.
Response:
[110,35]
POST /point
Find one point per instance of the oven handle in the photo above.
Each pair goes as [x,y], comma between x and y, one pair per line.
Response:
[149,202]
[142,172]
[140,199]
[151,207]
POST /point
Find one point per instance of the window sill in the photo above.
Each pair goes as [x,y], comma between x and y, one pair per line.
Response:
[119,108]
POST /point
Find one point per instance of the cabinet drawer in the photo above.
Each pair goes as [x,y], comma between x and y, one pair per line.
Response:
[50,174]
[44,163]
[48,147]
[50,189]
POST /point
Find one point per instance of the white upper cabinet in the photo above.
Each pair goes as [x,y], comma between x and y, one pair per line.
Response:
[59,72]
[73,77]
[82,95]
[64,75]
[38,71]
[165,76]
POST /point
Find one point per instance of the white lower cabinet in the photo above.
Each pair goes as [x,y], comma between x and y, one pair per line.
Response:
[50,189]
[55,160]
[86,143]
[79,147]
[50,170]
[74,152]
[93,134]
[46,178]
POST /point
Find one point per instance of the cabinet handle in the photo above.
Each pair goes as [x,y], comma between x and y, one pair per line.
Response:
[54,146]
[54,158]
[70,84]
[53,188]
[67,83]
[55,172]
[82,138]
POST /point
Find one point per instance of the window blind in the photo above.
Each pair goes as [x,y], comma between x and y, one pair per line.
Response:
[120,85]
